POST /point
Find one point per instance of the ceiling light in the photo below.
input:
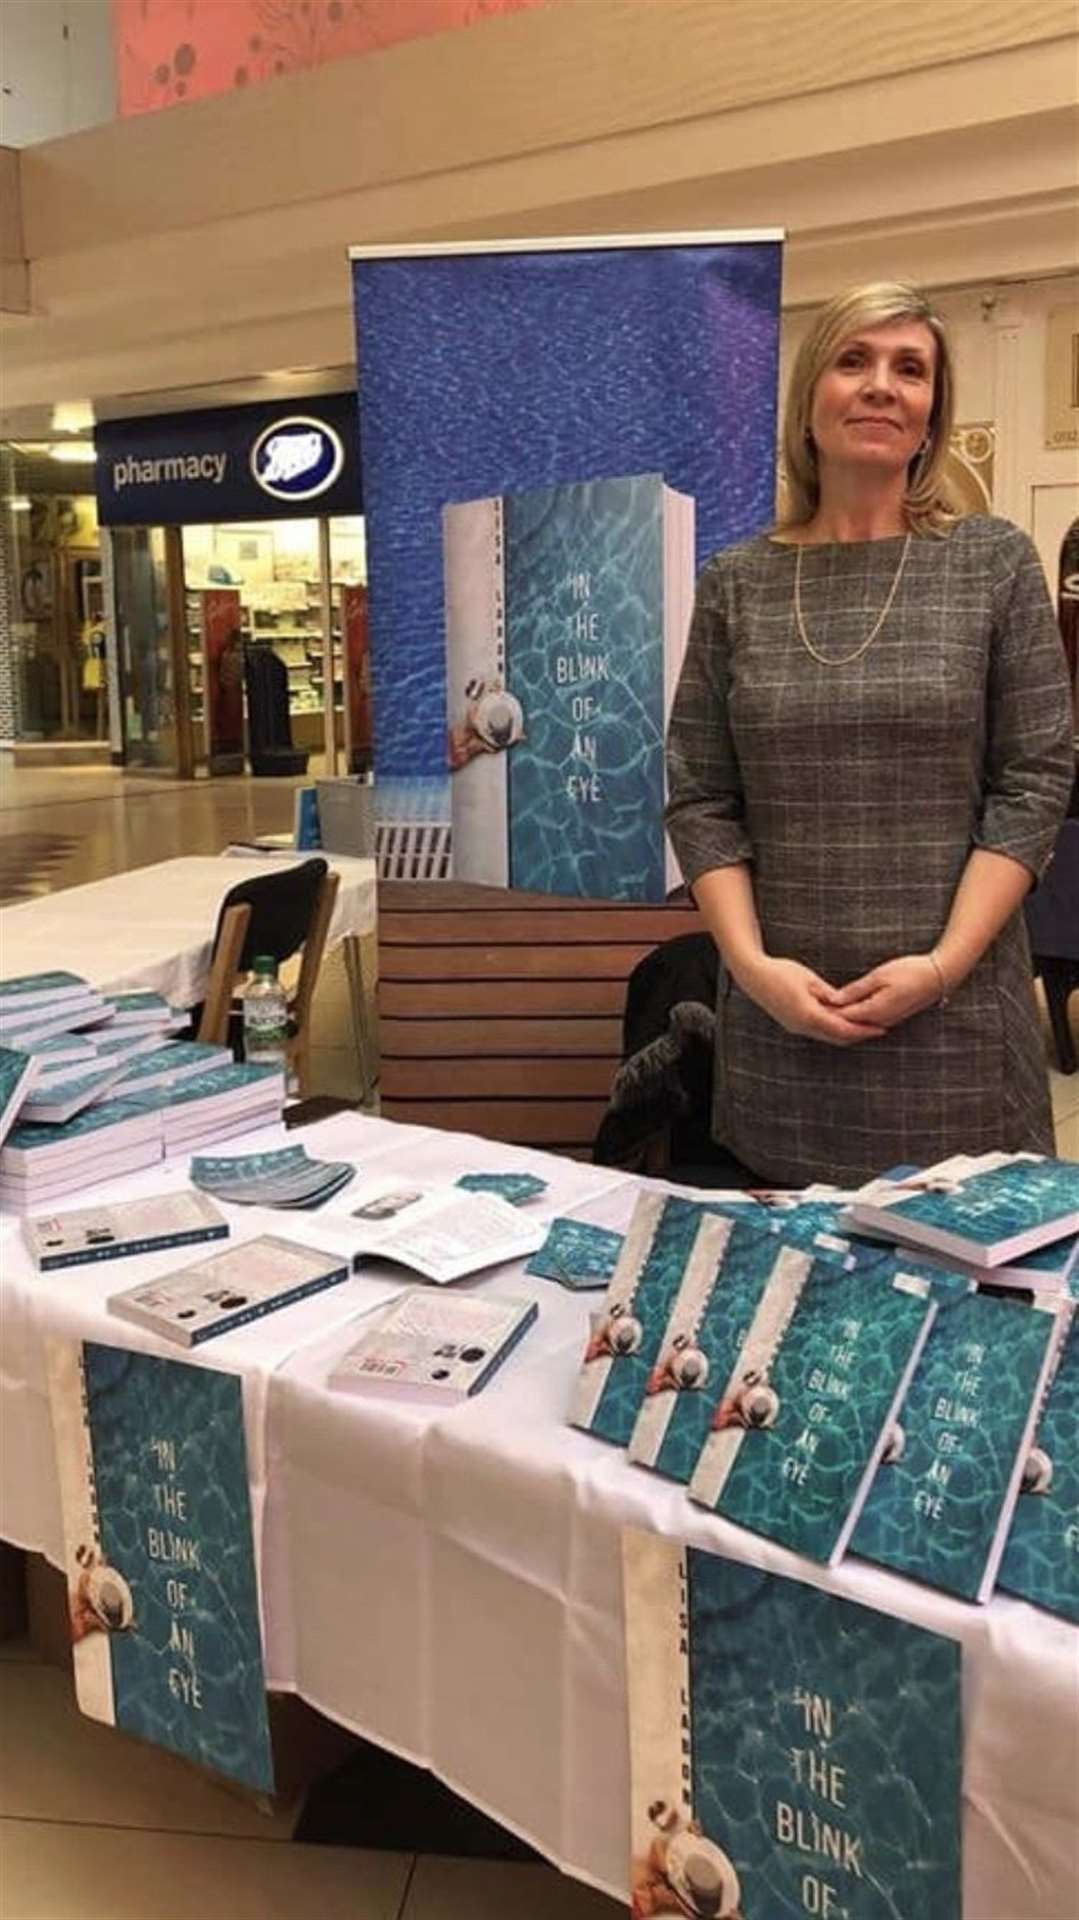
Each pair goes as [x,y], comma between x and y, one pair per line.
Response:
[74,452]
[19,503]
[72,416]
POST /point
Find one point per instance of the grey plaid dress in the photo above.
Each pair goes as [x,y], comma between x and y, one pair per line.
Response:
[857,793]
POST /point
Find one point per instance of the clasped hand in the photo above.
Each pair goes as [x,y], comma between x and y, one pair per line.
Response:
[800,1001]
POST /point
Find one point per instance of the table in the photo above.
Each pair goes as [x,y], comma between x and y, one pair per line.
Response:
[153,928]
[447,1583]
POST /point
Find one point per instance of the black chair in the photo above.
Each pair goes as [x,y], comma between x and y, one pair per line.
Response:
[1052,914]
[282,909]
[658,1120]
[269,727]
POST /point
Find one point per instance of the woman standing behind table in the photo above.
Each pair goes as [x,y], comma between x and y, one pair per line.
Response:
[869,757]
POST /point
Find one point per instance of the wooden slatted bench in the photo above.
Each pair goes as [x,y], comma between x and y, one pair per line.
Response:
[500,1013]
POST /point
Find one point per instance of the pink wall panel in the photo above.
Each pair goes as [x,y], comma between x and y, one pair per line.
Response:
[175,50]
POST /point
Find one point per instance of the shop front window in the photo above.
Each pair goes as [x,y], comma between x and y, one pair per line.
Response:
[52,627]
[272,571]
[145,644]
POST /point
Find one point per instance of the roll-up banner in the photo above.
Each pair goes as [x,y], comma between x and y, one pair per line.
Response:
[556,435]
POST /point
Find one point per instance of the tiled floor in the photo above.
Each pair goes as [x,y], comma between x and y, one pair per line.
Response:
[91,1827]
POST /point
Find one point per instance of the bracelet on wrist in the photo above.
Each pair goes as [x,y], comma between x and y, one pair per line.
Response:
[944,996]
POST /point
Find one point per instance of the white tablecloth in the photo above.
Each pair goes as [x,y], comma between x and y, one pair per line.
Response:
[448,1582]
[153,928]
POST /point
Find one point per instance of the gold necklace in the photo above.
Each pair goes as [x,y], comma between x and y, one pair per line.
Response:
[868,642]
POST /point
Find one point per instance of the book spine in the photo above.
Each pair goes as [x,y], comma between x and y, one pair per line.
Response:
[475,599]
[1053,1353]
[496,1361]
[259,1310]
[149,1244]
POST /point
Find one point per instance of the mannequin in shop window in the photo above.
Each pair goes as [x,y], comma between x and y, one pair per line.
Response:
[869,755]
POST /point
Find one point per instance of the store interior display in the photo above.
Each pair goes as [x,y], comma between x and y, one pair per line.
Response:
[274,567]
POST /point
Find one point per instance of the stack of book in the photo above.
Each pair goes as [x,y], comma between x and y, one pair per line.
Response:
[830,1398]
[214,1104]
[18,1072]
[39,1005]
[145,1013]
[39,1163]
[123,1043]
[58,1096]
[168,1066]
[1005,1219]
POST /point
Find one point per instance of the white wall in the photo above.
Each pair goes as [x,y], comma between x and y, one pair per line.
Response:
[57,68]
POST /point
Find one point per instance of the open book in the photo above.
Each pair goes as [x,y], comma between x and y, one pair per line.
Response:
[443,1233]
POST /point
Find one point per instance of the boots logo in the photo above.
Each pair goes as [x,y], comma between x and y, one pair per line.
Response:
[297,458]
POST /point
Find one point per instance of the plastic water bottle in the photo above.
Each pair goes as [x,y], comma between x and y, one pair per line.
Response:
[265,1005]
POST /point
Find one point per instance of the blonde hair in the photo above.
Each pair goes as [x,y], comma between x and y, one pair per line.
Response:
[927,507]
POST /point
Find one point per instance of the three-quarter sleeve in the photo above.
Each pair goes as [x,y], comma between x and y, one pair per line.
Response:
[705,812]
[1030,757]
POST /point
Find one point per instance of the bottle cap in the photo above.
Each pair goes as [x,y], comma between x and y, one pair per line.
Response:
[264,963]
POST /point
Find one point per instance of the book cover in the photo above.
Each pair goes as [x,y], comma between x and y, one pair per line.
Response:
[791,1753]
[627,1331]
[58,1053]
[987,1215]
[942,1500]
[434,1347]
[566,615]
[1041,1556]
[818,1226]
[231,1084]
[803,1418]
[112,1233]
[709,1324]
[152,1468]
[65,1095]
[43,1023]
[123,1043]
[32,1148]
[40,990]
[167,1066]
[229,1289]
[139,1009]
[18,1072]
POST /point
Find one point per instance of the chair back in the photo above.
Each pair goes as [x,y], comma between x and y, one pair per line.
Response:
[282,910]
[1052,910]
[213,1020]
